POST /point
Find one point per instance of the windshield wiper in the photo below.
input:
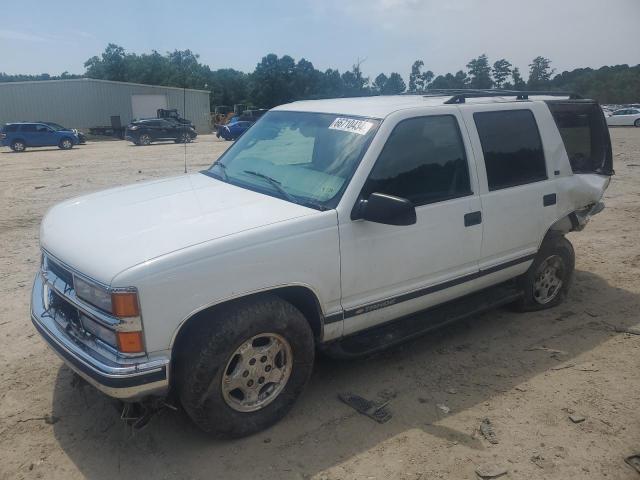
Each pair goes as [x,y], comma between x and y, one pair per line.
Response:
[274,183]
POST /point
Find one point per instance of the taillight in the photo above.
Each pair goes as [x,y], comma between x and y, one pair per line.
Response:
[3,135]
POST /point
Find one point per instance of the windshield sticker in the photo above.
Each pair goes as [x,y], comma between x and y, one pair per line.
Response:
[351,125]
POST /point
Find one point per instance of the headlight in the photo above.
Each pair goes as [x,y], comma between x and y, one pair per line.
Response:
[122,303]
[93,294]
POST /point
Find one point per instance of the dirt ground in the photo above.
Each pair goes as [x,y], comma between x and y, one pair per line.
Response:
[525,372]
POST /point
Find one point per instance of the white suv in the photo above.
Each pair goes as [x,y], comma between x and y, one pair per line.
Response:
[344,225]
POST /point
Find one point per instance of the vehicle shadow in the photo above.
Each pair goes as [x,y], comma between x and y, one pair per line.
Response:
[36,150]
[480,358]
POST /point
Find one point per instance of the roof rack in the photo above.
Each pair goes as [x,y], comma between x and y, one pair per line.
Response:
[459,95]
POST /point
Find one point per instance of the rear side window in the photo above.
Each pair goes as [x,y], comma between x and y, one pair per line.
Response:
[28,127]
[423,161]
[512,148]
[10,128]
[585,135]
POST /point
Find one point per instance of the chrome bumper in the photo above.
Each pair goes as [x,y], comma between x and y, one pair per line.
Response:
[125,378]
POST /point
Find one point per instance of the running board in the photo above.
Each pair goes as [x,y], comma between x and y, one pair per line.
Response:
[398,331]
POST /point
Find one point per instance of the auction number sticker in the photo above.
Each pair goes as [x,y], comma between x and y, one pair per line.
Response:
[351,125]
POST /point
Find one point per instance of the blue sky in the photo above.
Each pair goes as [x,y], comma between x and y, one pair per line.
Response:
[390,34]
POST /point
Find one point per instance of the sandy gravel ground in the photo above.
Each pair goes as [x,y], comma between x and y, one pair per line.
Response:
[492,366]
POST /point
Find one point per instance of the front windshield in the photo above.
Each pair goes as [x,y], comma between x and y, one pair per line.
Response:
[307,158]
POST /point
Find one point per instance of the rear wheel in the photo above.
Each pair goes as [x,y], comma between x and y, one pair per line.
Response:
[65,144]
[183,138]
[145,139]
[637,123]
[242,370]
[548,279]
[18,146]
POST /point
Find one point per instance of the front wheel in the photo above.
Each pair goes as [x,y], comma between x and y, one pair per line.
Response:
[242,369]
[65,144]
[144,139]
[549,277]
[637,123]
[183,138]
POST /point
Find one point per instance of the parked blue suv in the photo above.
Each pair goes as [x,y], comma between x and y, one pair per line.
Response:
[19,136]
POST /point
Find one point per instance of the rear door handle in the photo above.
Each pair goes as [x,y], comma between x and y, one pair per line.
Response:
[549,199]
[473,218]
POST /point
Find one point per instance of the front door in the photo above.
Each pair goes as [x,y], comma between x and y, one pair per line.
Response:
[389,271]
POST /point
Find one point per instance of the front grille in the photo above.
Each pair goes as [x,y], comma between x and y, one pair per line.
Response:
[59,271]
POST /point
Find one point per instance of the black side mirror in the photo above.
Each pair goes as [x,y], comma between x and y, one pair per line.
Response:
[387,209]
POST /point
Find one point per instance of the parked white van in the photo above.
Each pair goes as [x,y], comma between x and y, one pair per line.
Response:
[345,225]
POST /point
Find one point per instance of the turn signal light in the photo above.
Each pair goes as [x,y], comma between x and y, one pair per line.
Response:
[130,342]
[125,304]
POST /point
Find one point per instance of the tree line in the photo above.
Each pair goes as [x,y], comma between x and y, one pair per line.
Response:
[276,80]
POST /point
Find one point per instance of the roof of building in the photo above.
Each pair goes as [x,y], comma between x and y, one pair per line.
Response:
[383,105]
[71,80]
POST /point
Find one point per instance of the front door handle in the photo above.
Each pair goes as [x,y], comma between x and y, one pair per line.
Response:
[473,218]
[549,199]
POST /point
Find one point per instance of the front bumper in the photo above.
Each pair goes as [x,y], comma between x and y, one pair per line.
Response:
[125,378]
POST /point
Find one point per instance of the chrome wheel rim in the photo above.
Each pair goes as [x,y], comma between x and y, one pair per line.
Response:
[186,138]
[144,139]
[548,280]
[66,144]
[18,147]
[257,372]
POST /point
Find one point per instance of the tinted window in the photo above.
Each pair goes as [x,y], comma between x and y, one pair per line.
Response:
[423,160]
[11,128]
[42,128]
[512,148]
[585,135]
[28,127]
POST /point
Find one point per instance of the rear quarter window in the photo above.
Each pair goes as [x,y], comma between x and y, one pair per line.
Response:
[585,135]
[10,128]
[512,148]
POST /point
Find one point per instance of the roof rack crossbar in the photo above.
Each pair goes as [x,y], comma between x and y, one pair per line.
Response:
[459,95]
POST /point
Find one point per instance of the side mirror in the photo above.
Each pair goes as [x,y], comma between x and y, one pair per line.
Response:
[386,209]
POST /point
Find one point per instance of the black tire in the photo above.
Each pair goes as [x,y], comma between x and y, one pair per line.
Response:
[65,144]
[18,146]
[183,138]
[637,123]
[144,139]
[207,351]
[558,252]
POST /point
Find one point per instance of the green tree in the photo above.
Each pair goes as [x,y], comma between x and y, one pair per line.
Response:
[109,66]
[394,85]
[355,85]
[518,82]
[480,72]
[379,83]
[501,71]
[540,72]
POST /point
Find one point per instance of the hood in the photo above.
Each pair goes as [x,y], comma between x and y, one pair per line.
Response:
[104,233]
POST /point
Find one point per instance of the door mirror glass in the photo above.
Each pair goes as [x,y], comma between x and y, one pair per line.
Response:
[387,209]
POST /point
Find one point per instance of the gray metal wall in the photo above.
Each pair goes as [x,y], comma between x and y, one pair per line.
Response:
[84,103]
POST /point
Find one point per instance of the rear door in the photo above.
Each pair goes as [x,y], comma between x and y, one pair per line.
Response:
[515,186]
[29,135]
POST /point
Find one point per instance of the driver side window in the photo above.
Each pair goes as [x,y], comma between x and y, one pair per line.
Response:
[423,161]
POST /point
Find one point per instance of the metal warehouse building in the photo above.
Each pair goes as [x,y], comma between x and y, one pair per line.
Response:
[85,102]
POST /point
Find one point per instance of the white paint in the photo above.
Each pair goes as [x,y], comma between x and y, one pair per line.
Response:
[147,105]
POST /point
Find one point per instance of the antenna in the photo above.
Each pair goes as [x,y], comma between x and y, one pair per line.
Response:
[184,112]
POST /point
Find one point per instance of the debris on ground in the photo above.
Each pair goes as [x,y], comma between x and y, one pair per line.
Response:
[66,185]
[520,389]
[634,461]
[587,367]
[38,187]
[486,428]
[541,462]
[545,349]
[575,418]
[490,471]
[632,330]
[443,408]
[562,367]
[376,411]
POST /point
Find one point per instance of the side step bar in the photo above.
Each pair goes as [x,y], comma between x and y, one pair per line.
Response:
[398,331]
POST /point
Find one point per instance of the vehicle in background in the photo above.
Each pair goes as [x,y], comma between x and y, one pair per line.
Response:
[19,136]
[173,116]
[233,130]
[624,116]
[146,131]
[82,139]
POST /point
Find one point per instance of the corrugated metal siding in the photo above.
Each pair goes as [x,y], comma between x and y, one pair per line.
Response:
[89,103]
